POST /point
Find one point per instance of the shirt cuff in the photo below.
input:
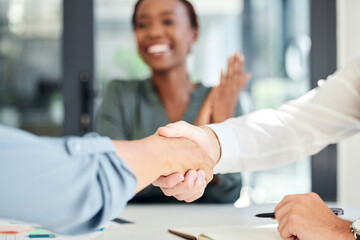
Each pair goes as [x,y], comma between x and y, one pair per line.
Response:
[90,144]
[229,147]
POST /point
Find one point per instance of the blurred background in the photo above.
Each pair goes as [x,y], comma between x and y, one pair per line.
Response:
[56,57]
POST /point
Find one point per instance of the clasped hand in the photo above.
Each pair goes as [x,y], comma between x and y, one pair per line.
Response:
[191,186]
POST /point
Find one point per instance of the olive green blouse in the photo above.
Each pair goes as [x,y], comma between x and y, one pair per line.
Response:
[132,110]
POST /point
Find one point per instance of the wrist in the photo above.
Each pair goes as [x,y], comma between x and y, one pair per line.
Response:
[355,229]
[344,230]
[141,154]
[214,147]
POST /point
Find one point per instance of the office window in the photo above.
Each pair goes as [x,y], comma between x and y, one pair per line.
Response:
[30,65]
[273,35]
[277,47]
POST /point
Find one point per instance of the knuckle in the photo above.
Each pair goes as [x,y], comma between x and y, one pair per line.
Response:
[179,197]
[182,122]
[287,197]
[313,195]
[166,192]
[170,183]
[188,185]
[282,235]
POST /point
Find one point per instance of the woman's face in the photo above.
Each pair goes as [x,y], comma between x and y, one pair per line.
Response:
[164,34]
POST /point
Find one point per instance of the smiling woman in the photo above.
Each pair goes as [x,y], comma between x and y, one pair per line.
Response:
[165,32]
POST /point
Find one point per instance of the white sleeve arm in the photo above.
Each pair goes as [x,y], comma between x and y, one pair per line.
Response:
[271,137]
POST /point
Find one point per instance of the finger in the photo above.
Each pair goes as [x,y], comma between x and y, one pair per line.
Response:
[205,112]
[196,189]
[196,196]
[184,186]
[236,67]
[230,70]
[202,185]
[222,78]
[169,181]
[178,129]
[204,115]
[243,80]
[285,230]
[284,211]
[240,63]
[284,201]
[212,94]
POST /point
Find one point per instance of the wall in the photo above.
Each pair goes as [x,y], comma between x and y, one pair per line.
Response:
[348,47]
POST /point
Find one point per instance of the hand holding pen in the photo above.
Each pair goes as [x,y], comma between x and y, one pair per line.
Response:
[307,217]
[336,211]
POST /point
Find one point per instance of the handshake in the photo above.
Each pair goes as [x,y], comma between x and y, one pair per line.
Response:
[198,168]
[179,158]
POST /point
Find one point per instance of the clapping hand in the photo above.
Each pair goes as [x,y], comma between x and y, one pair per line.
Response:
[221,101]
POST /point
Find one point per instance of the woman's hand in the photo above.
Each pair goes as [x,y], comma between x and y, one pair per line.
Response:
[227,93]
[205,114]
[221,101]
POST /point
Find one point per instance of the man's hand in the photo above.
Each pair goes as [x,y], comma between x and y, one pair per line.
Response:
[191,186]
[156,156]
[306,217]
[203,136]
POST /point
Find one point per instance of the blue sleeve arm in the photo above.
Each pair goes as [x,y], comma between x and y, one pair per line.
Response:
[70,185]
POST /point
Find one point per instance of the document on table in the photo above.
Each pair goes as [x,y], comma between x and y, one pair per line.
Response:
[11,230]
[268,232]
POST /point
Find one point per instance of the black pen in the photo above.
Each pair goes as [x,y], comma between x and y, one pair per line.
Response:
[337,211]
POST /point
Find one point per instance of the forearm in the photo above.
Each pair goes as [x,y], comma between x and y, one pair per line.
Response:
[272,137]
[144,158]
[80,181]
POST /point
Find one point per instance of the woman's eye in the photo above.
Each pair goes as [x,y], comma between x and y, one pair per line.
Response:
[141,25]
[169,22]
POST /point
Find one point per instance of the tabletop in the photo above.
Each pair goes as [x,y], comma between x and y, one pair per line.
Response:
[154,221]
[220,221]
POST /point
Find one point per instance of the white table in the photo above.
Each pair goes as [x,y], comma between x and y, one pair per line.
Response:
[153,221]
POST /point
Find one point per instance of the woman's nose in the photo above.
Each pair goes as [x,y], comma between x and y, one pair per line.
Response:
[155,30]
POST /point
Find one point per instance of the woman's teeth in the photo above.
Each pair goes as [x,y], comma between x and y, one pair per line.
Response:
[158,48]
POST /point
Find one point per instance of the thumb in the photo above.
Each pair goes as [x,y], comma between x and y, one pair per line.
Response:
[178,129]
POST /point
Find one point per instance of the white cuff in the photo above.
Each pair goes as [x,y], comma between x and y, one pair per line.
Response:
[229,148]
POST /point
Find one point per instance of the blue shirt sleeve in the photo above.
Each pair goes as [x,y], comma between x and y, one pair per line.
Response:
[70,185]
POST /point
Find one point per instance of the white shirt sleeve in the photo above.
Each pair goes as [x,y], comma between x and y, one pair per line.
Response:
[272,137]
